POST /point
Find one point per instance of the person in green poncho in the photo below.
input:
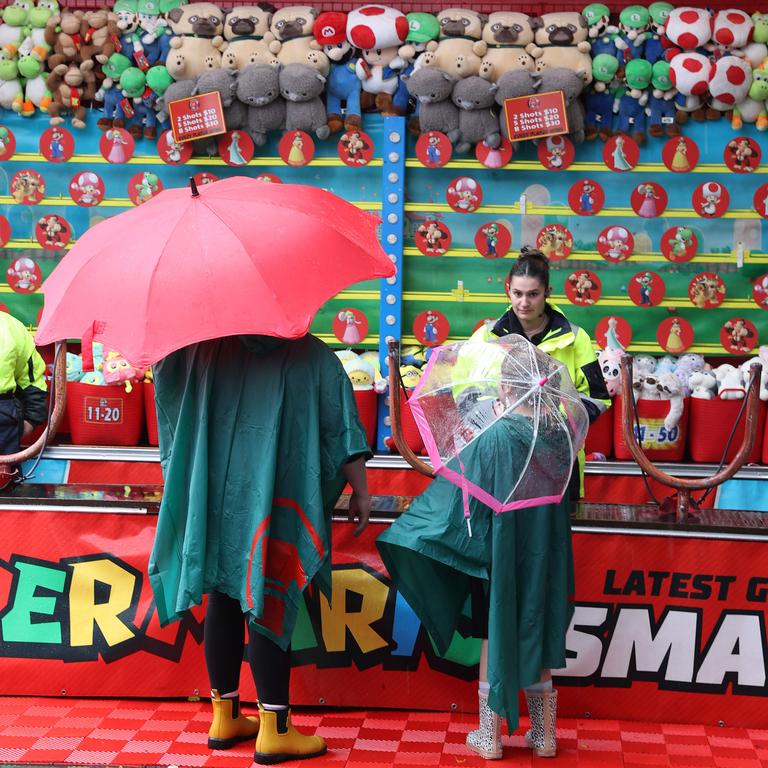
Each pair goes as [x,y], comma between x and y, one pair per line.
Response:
[258,437]
[516,568]
[523,608]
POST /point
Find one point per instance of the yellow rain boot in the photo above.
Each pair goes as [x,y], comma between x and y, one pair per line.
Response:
[229,727]
[278,740]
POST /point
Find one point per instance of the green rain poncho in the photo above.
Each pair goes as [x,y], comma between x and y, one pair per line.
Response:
[254,432]
[523,556]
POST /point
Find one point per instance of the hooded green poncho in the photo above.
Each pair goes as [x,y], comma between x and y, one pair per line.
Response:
[254,432]
[523,556]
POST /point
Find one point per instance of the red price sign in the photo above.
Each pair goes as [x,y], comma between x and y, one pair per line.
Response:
[536,116]
[103,410]
[196,117]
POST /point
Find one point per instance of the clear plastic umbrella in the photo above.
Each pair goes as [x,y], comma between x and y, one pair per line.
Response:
[480,400]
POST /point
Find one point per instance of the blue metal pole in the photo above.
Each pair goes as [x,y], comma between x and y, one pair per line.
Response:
[392,213]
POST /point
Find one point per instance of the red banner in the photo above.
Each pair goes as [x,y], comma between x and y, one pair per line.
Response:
[536,116]
[666,628]
[196,117]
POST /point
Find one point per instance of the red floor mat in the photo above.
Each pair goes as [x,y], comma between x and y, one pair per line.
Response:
[142,733]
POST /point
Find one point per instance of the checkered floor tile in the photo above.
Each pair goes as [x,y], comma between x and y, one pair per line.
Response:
[173,733]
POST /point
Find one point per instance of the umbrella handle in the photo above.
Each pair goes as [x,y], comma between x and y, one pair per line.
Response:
[60,400]
[402,446]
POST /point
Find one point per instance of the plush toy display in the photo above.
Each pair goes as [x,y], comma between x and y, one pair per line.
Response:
[653,49]
[11,90]
[423,28]
[571,84]
[511,85]
[478,121]
[379,32]
[598,116]
[730,382]
[224,82]
[194,47]
[745,372]
[460,48]
[117,370]
[301,87]
[630,102]
[729,85]
[342,91]
[703,384]
[432,88]
[247,36]
[610,365]
[661,102]
[507,35]
[294,42]
[634,23]
[601,33]
[258,89]
[130,112]
[562,40]
[754,109]
[72,87]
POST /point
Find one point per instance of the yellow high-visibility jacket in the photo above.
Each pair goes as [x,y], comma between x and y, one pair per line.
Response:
[22,370]
[572,346]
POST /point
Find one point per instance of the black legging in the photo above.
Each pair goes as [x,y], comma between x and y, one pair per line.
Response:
[224,643]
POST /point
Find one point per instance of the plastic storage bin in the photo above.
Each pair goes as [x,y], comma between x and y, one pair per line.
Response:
[710,427]
[410,430]
[658,443]
[366,400]
[105,415]
[600,434]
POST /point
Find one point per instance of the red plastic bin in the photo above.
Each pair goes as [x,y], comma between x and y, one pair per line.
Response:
[657,443]
[600,434]
[765,443]
[710,427]
[150,412]
[410,430]
[366,407]
[106,415]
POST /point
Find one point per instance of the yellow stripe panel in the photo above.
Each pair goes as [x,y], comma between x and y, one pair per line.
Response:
[564,210]
[723,258]
[642,346]
[605,301]
[36,157]
[277,161]
[535,165]
[125,202]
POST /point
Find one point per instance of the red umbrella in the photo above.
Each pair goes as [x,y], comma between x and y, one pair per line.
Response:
[238,256]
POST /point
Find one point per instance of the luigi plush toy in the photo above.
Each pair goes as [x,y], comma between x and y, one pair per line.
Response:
[634,22]
[630,101]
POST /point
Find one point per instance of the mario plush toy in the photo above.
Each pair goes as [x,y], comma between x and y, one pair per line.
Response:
[342,90]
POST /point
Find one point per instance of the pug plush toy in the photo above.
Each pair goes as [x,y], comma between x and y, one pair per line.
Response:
[197,30]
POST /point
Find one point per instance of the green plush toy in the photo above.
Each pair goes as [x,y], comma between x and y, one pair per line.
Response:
[661,106]
[634,22]
[760,35]
[15,18]
[10,85]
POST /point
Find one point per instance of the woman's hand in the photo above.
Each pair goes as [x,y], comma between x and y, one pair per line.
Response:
[360,510]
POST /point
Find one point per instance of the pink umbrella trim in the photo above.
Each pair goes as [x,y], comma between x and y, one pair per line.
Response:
[458,478]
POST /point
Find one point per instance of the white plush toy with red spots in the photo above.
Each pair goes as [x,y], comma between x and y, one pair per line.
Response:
[686,33]
[378,31]
[733,34]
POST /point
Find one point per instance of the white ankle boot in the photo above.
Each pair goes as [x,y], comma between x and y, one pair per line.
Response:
[542,708]
[486,740]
